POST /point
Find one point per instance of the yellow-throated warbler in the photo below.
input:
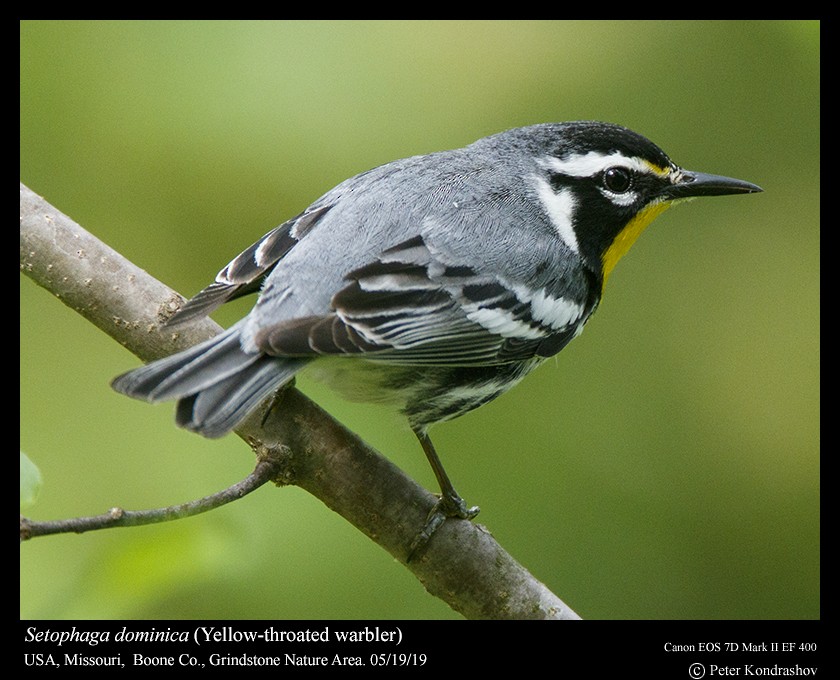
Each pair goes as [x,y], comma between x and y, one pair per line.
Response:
[446,277]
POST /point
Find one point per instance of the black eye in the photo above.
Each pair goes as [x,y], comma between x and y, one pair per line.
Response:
[617,179]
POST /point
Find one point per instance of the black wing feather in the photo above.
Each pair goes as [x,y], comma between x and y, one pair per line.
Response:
[246,273]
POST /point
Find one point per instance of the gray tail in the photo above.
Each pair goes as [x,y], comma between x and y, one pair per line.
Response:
[216,383]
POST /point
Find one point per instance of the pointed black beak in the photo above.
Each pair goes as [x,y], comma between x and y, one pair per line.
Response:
[693,184]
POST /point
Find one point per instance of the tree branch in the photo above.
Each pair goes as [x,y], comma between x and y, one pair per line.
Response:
[462,564]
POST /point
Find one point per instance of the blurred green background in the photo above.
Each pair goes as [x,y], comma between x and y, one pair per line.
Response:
[665,465]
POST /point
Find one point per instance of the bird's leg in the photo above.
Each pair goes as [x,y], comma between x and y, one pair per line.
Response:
[450,503]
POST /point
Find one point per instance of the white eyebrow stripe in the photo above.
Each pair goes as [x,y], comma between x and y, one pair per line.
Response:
[560,208]
[591,163]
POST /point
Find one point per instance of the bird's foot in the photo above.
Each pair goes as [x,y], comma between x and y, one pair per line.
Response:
[448,506]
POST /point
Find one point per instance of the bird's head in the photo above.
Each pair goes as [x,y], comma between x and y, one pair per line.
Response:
[602,184]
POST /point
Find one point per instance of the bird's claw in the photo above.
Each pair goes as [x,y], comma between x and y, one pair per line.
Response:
[446,507]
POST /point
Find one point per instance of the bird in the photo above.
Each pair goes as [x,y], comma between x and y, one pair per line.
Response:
[432,284]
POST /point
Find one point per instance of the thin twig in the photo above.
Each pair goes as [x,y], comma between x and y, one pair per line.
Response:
[265,470]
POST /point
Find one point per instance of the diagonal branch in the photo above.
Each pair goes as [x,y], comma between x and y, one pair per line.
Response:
[462,564]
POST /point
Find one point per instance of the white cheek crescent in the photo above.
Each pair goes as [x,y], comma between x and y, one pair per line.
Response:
[560,208]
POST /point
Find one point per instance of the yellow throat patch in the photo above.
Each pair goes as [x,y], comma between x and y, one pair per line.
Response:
[627,236]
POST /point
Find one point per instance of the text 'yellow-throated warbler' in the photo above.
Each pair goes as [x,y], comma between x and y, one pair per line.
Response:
[446,277]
